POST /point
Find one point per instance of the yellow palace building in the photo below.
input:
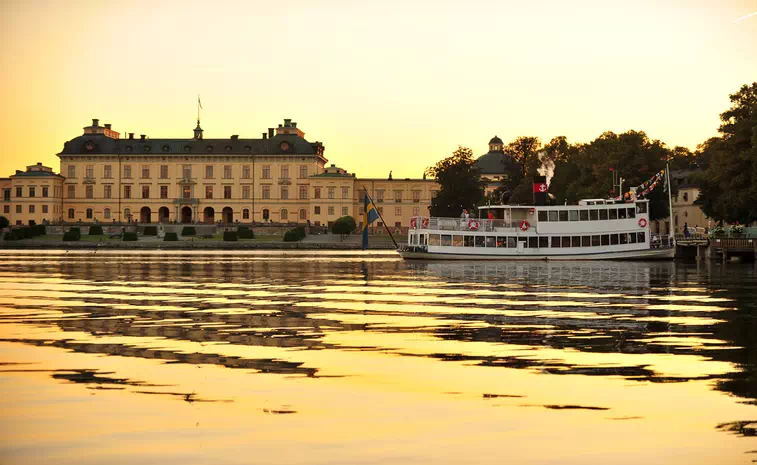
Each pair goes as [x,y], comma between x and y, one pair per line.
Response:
[277,178]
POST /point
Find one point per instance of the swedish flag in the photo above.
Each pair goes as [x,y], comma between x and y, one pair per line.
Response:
[370,214]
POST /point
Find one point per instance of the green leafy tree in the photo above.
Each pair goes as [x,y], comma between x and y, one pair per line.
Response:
[728,182]
[460,182]
[343,226]
[4,223]
[521,162]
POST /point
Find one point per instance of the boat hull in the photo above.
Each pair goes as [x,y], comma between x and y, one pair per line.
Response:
[650,254]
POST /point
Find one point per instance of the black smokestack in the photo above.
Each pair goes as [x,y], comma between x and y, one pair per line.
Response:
[540,190]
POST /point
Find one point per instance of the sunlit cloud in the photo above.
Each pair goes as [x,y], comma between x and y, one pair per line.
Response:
[737,21]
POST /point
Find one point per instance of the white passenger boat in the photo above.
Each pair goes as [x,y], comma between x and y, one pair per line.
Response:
[591,230]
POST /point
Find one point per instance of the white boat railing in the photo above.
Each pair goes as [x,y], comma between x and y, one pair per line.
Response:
[660,241]
[462,224]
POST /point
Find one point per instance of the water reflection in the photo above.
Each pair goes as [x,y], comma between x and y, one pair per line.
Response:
[348,315]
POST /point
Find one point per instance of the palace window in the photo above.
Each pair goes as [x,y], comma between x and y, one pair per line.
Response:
[208,171]
[163,171]
[345,211]
[89,171]
[19,191]
[266,192]
[71,191]
[416,211]
[127,171]
[145,172]
[227,171]
[245,192]
[398,196]
[107,172]
[127,214]
[284,214]
[45,192]
[316,192]
[266,174]
[316,210]
[226,192]
[303,214]
[284,193]
[127,192]
[208,192]
[31,208]
[186,171]
[187,192]
[7,195]
[380,195]
[398,211]
[106,213]
[303,171]
[303,192]
[332,191]
[246,172]
[19,209]
[89,192]
[163,192]
[71,213]
[89,213]
[246,214]
[44,208]
[107,191]
[145,192]
[72,171]
[331,211]
[266,214]
[32,191]
[345,192]
[416,196]
[284,171]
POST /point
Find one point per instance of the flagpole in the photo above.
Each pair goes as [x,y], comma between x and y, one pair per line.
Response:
[670,202]
[382,218]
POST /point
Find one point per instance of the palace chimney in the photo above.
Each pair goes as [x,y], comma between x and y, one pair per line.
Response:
[95,122]
[270,133]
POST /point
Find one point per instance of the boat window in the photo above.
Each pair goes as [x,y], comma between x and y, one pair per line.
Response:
[446,240]
[457,241]
[566,241]
[584,215]
[602,215]
[553,215]
[613,239]
[543,215]
[621,213]
[533,242]
[543,242]
[491,241]
[605,239]
[631,212]
[585,241]
[555,241]
[501,241]
[624,238]
[468,241]
[632,238]
[642,237]
[641,207]
[480,241]
[594,241]
[576,241]
[563,215]
[573,215]
[613,213]
[433,239]
[511,243]
[424,239]
[594,215]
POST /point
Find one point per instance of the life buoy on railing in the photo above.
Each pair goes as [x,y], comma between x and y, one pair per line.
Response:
[424,223]
[473,225]
[412,223]
[643,222]
[524,225]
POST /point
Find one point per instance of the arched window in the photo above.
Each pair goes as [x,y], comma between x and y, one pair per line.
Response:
[127,214]
[303,214]
[284,214]
[246,214]
[106,213]
[89,213]
[71,213]
[266,214]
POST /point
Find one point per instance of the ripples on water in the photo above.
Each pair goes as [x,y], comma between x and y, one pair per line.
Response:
[252,357]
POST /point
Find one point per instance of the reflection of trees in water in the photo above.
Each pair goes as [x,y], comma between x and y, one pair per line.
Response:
[618,329]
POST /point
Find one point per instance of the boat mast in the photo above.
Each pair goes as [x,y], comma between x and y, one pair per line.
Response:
[670,204]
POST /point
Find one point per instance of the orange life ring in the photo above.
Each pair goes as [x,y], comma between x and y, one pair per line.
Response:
[531,211]
[524,225]
[424,223]
[473,225]
[642,222]
[412,223]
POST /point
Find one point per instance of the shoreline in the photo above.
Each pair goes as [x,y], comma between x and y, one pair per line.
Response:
[189,245]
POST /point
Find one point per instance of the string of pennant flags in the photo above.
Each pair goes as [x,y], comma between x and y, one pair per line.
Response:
[648,186]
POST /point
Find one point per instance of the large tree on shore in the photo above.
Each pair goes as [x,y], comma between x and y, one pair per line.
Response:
[460,182]
[728,182]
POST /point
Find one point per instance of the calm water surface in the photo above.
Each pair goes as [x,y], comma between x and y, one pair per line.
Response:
[343,358]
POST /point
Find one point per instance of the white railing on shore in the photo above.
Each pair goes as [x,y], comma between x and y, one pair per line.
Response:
[462,224]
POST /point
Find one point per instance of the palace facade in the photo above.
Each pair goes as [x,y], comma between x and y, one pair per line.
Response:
[279,178]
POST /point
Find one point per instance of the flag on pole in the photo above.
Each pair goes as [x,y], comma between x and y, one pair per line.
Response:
[370,214]
[199,102]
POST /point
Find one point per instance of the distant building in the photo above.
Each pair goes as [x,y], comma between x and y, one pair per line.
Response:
[684,210]
[280,177]
[495,165]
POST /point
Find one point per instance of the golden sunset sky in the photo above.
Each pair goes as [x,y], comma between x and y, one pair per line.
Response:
[390,85]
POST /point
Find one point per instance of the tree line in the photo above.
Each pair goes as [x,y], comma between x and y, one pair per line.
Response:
[725,168]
